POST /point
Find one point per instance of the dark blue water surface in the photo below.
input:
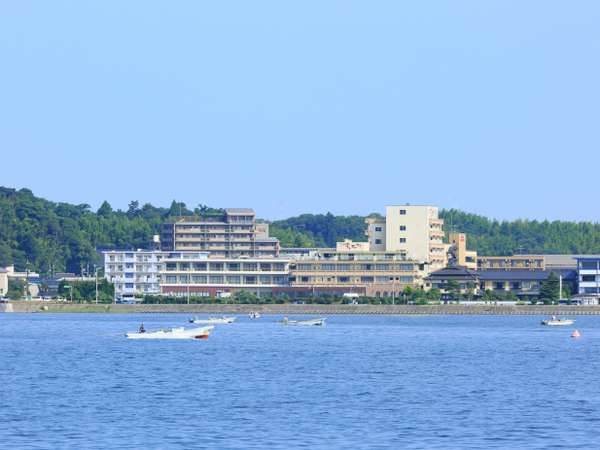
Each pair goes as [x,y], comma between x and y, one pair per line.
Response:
[74,381]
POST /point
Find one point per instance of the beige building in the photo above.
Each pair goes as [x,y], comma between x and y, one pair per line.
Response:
[415,230]
[516,262]
[367,271]
[233,234]
[458,253]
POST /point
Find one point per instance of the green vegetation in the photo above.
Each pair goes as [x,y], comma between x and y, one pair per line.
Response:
[492,237]
[324,230]
[549,289]
[16,289]
[45,236]
[85,291]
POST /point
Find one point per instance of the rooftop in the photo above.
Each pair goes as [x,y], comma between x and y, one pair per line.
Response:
[521,274]
[239,211]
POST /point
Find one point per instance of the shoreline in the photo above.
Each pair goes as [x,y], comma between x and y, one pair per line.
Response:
[288,309]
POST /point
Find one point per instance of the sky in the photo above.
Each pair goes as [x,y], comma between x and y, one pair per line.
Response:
[296,107]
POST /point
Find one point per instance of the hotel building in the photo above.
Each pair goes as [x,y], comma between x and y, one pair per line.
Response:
[233,234]
[415,230]
[353,267]
[202,274]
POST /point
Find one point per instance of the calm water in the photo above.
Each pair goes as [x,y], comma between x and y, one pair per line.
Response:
[74,381]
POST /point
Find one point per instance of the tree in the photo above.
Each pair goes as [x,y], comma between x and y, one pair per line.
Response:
[16,289]
[133,209]
[5,255]
[549,289]
[105,209]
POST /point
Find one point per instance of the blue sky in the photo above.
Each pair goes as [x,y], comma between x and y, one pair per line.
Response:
[313,106]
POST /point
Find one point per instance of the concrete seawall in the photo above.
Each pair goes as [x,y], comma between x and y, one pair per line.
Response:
[289,309]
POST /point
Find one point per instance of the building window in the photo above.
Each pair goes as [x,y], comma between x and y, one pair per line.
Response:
[377,228]
[402,240]
[304,279]
[402,212]
[588,278]
[402,227]
[377,241]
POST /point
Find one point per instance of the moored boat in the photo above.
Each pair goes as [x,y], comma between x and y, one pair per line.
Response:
[213,320]
[310,322]
[171,333]
[554,322]
[254,315]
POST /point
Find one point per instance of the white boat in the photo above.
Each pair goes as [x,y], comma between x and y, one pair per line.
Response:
[171,333]
[310,322]
[554,322]
[213,320]
[254,315]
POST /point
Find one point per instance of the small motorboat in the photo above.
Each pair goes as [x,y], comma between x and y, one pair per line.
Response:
[254,315]
[308,323]
[213,320]
[171,333]
[554,322]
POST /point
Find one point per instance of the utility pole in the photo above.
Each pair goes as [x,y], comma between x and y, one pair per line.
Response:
[96,275]
[560,282]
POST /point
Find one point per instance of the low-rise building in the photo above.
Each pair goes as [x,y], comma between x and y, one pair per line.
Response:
[461,278]
[523,283]
[515,262]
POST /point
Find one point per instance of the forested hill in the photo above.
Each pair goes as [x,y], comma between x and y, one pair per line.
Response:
[46,236]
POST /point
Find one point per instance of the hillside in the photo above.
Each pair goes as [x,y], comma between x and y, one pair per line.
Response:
[45,236]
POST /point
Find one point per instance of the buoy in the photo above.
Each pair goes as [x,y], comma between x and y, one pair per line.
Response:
[576,334]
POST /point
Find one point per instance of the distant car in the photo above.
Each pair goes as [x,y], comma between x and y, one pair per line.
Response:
[3,300]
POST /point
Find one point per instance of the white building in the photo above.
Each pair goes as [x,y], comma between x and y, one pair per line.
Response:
[415,230]
[134,273]
[197,274]
[3,282]
[588,272]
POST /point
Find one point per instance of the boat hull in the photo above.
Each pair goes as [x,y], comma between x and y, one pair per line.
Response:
[558,323]
[213,321]
[174,333]
[305,323]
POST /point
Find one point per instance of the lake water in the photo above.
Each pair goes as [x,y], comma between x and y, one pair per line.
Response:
[74,381]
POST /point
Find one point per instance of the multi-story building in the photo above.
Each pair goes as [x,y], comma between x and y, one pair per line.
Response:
[200,274]
[458,253]
[588,274]
[415,230]
[365,272]
[134,273]
[233,234]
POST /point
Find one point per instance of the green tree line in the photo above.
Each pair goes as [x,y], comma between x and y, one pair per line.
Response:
[45,236]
